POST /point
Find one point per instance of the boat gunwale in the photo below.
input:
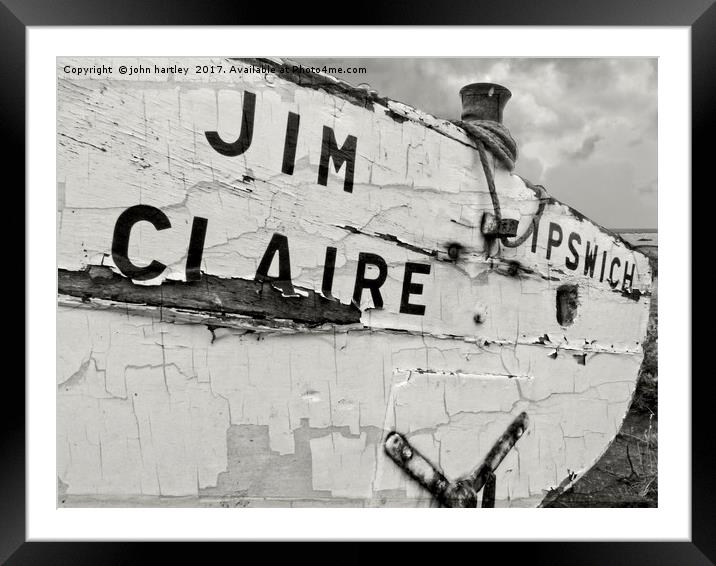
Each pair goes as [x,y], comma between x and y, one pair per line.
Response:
[365,98]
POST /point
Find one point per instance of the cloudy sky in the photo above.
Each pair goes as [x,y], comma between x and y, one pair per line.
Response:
[586,128]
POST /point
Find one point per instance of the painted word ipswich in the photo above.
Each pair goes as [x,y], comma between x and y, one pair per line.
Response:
[608,267]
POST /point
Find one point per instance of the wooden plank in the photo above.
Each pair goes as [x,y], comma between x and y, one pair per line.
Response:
[212,295]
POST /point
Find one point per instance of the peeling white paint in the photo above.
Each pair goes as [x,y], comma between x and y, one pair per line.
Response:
[149,399]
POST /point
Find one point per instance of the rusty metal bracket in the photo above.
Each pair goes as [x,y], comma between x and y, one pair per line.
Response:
[493,227]
[462,492]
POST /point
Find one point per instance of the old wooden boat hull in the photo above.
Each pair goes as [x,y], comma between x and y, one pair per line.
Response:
[261,275]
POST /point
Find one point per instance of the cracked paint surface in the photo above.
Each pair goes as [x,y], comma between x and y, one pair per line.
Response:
[156,402]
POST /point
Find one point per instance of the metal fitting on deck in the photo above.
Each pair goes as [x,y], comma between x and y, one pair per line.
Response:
[493,228]
[484,101]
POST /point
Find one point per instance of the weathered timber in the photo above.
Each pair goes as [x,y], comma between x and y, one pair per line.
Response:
[328,241]
[461,492]
[212,295]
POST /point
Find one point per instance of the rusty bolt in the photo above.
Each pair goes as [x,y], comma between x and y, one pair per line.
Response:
[480,313]
[454,251]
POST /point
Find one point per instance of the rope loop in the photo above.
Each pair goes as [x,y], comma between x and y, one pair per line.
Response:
[494,137]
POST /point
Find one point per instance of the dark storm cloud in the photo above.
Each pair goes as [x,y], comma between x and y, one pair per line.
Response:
[594,116]
[588,146]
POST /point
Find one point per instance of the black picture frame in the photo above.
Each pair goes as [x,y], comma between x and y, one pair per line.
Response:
[699,15]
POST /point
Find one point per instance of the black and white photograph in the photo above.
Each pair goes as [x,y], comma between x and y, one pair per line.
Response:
[357,282]
[293,280]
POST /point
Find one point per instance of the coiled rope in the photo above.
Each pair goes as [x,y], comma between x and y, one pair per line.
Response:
[494,137]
